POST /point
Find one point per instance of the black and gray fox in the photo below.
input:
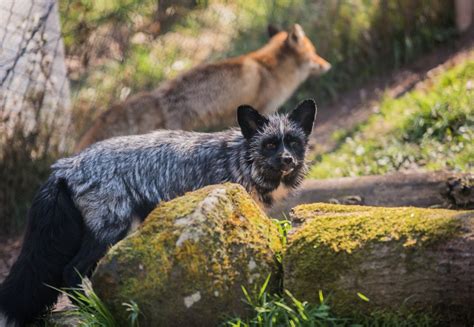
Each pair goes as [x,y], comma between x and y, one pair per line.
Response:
[93,199]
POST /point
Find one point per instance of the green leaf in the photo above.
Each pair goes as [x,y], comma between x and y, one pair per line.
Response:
[363,297]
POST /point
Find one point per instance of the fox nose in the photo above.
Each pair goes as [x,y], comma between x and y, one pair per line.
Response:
[327,67]
[287,160]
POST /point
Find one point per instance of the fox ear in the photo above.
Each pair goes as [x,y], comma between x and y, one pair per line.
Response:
[272,30]
[304,115]
[295,35]
[249,121]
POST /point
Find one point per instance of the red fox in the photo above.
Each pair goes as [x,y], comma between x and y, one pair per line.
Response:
[206,97]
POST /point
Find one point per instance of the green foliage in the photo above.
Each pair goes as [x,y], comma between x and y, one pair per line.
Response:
[91,311]
[431,128]
[81,18]
[286,310]
[284,226]
[277,310]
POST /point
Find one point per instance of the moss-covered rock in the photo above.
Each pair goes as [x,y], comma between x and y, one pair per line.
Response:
[185,266]
[420,258]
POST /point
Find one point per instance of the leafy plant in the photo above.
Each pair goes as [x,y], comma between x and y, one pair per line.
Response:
[286,310]
[284,226]
[277,310]
[90,310]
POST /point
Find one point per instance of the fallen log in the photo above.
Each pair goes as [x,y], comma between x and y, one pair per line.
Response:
[433,189]
[421,259]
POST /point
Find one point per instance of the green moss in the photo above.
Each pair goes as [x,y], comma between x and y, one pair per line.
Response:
[347,228]
[208,242]
[335,241]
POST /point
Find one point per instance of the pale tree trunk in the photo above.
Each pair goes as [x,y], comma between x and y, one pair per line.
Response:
[464,14]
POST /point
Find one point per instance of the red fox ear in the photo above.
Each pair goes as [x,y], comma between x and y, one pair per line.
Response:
[296,34]
[272,30]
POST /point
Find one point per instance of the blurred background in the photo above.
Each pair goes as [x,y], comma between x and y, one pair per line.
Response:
[399,96]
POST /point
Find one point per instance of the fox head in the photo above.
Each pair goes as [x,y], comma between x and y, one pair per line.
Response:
[278,143]
[300,46]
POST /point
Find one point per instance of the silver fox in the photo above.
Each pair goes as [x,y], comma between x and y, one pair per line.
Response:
[92,200]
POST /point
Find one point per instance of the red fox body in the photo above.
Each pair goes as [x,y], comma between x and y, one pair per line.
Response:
[206,97]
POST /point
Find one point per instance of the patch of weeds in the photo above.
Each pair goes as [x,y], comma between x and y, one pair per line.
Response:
[286,310]
[284,226]
[91,311]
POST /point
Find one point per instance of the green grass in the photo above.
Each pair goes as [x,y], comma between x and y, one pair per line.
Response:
[430,129]
[91,311]
[266,310]
[286,310]
[277,310]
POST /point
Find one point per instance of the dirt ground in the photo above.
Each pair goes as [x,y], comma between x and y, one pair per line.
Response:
[350,109]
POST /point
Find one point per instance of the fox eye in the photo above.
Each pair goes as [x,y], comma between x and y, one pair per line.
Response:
[293,142]
[270,146]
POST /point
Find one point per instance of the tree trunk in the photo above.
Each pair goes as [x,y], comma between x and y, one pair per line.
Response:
[464,14]
[434,189]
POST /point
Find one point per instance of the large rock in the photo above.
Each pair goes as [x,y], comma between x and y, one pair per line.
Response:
[420,258]
[185,266]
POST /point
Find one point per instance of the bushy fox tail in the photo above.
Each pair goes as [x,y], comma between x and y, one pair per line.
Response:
[52,238]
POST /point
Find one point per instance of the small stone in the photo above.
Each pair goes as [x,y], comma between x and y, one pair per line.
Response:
[190,300]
